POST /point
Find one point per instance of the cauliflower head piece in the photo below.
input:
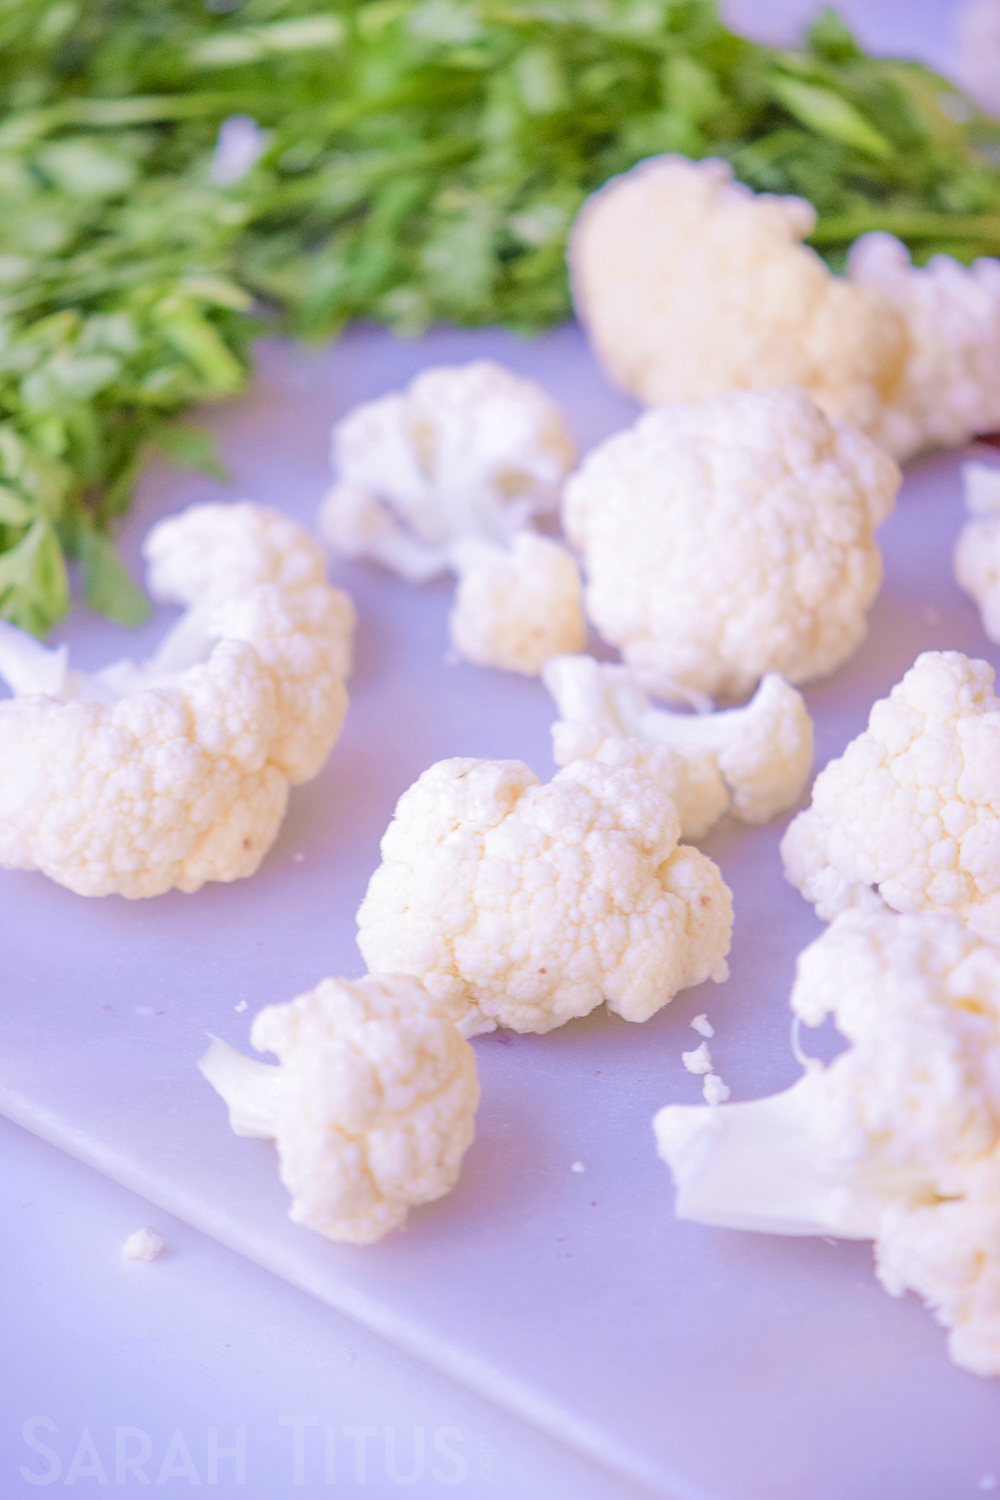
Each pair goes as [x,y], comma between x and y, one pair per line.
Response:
[752,761]
[690,285]
[140,779]
[908,816]
[465,451]
[526,905]
[950,386]
[732,538]
[896,1140]
[977,551]
[516,607]
[371,1106]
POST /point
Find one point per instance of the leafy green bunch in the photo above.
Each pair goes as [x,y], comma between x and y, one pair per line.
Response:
[410,161]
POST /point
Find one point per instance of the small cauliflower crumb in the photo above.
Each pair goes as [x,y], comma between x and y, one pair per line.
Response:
[703,1026]
[714,1091]
[698,1060]
[578,1167]
[240,1006]
[144,1244]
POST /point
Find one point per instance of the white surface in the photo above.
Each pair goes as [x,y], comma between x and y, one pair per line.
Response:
[201,1338]
[708,1364]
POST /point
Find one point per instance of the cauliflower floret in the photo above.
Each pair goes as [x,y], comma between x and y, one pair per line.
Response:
[516,607]
[730,539]
[951,313]
[690,285]
[897,1140]
[907,816]
[138,779]
[750,761]
[372,1104]
[465,451]
[528,905]
[977,552]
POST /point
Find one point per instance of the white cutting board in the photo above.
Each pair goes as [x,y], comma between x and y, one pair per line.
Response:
[709,1364]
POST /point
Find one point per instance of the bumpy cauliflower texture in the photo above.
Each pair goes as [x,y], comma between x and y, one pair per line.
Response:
[517,606]
[732,538]
[690,285]
[908,815]
[897,1140]
[465,451]
[138,779]
[750,761]
[528,905]
[977,552]
[950,388]
[372,1105]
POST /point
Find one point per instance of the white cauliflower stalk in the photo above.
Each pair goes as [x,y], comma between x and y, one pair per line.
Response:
[465,451]
[690,285]
[897,1140]
[950,388]
[977,552]
[516,607]
[140,779]
[732,538]
[752,761]
[372,1104]
[908,815]
[526,905]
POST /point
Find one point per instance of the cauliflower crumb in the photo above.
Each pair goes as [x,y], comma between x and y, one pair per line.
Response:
[241,1005]
[144,1244]
[726,540]
[699,1060]
[578,1167]
[703,1026]
[714,1091]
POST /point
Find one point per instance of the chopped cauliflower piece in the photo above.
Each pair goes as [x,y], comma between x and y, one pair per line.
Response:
[144,1244]
[896,1140]
[372,1104]
[578,1167]
[690,285]
[730,539]
[977,552]
[516,607]
[751,761]
[698,1061]
[138,779]
[465,451]
[951,315]
[908,816]
[528,905]
[703,1026]
[714,1091]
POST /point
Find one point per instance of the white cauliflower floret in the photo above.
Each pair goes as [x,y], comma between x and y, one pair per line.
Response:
[690,285]
[371,1106]
[750,761]
[951,314]
[138,779]
[528,905]
[908,815]
[465,451]
[977,552]
[516,607]
[897,1140]
[732,538]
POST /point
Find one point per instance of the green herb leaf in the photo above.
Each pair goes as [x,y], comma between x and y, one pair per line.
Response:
[107,586]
